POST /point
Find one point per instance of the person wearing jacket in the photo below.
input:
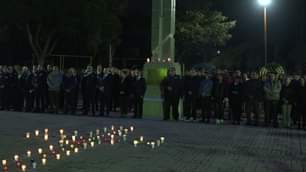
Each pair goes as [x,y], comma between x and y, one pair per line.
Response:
[27,88]
[253,93]
[104,85]
[302,104]
[89,82]
[171,92]
[272,89]
[218,97]
[139,87]
[54,81]
[190,95]
[205,92]
[70,86]
[235,100]
[286,100]
[124,88]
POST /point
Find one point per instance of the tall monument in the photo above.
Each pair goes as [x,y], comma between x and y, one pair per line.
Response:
[163,54]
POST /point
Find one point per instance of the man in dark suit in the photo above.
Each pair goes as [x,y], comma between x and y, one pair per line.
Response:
[171,91]
[139,87]
[89,90]
[104,85]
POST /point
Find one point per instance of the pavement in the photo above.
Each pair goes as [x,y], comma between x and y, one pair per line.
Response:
[189,147]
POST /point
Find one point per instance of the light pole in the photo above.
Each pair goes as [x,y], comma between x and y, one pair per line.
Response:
[265,4]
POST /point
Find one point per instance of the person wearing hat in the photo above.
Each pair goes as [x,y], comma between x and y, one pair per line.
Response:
[171,91]
[272,89]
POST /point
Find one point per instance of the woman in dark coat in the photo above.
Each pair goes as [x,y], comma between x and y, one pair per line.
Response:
[235,98]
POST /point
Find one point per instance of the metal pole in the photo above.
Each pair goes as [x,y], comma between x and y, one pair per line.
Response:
[266,35]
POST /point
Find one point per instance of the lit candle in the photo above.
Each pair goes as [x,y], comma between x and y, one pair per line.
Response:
[46,130]
[92,144]
[126,131]
[148,60]
[44,161]
[58,156]
[85,145]
[72,146]
[29,153]
[153,145]
[135,143]
[141,138]
[61,131]
[61,143]
[40,150]
[16,157]
[73,138]
[68,152]
[124,137]
[162,139]
[97,132]
[36,132]
[44,155]
[112,136]
[132,128]
[76,132]
[76,150]
[169,59]
[46,137]
[28,135]
[4,162]
[67,142]
[113,128]
[51,147]
[23,168]
[112,142]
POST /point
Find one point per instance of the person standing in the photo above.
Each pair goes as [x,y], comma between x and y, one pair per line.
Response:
[205,91]
[124,93]
[272,90]
[3,85]
[12,85]
[89,82]
[218,98]
[104,85]
[70,85]
[139,87]
[41,87]
[190,95]
[171,91]
[301,105]
[253,95]
[235,100]
[54,81]
[286,100]
[26,88]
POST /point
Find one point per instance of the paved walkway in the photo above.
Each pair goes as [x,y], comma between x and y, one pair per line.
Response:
[190,147]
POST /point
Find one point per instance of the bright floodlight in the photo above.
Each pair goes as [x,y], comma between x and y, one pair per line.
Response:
[264,2]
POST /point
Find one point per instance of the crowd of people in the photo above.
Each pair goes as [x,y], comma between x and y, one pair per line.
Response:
[272,97]
[50,90]
[277,99]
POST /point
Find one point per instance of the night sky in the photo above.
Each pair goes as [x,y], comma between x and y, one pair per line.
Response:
[285,23]
[285,17]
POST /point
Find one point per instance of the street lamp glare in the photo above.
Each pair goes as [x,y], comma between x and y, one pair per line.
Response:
[264,2]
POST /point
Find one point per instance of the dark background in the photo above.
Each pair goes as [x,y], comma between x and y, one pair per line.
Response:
[286,19]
